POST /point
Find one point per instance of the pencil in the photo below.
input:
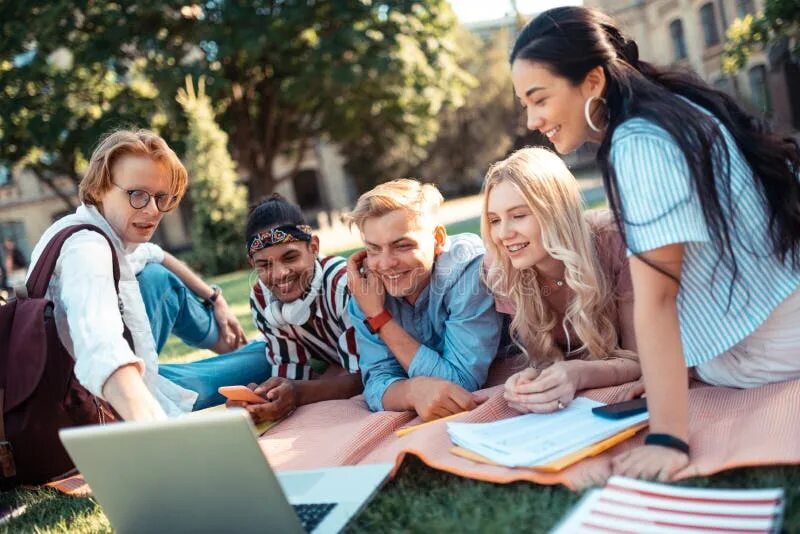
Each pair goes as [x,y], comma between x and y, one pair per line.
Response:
[409,429]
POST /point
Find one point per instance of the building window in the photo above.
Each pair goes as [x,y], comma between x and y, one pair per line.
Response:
[15,231]
[678,39]
[759,89]
[744,7]
[709,23]
[307,189]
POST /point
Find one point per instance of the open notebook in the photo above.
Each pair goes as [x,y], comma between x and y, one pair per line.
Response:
[627,505]
[544,440]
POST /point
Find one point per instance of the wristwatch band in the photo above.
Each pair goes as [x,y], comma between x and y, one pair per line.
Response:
[375,323]
[216,291]
[667,440]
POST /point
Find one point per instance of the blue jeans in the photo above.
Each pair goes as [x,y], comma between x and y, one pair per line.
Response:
[174,308]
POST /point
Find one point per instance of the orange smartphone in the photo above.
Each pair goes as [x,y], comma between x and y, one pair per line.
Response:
[241,393]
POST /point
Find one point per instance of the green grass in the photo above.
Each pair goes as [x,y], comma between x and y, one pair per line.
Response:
[419,499]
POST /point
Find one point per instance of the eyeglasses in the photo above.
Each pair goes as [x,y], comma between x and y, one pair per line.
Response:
[139,198]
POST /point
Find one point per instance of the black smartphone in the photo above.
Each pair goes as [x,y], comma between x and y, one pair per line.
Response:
[620,410]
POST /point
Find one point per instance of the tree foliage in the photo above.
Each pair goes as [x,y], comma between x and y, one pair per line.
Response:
[368,74]
[61,92]
[778,23]
[480,132]
[219,202]
[470,136]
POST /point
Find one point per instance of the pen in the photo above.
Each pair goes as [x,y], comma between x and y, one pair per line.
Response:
[409,429]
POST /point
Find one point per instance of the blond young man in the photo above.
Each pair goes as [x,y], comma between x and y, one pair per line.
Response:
[426,326]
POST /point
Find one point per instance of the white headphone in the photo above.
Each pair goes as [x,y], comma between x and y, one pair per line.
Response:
[297,312]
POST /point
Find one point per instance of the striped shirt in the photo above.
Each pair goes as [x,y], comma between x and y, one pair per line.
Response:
[661,207]
[328,336]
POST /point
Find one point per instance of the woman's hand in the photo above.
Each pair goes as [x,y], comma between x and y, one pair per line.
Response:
[652,462]
[634,390]
[532,390]
[231,333]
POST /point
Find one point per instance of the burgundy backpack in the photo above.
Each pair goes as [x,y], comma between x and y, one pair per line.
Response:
[39,394]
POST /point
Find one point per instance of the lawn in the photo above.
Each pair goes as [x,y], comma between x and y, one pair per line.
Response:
[419,499]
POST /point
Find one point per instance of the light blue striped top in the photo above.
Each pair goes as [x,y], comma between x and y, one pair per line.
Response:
[661,207]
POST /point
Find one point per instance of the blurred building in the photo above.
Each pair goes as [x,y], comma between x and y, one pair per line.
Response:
[28,207]
[691,33]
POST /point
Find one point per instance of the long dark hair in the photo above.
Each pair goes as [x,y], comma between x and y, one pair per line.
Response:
[573,40]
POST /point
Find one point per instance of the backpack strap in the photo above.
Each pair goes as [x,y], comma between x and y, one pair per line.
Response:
[40,276]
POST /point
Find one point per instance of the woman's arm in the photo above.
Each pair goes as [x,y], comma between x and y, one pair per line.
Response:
[589,374]
[663,365]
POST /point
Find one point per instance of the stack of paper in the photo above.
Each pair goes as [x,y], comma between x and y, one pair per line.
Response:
[536,439]
[627,505]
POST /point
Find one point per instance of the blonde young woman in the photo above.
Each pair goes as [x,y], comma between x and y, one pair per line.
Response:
[563,275]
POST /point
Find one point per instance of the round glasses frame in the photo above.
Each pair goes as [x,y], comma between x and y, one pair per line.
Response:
[139,198]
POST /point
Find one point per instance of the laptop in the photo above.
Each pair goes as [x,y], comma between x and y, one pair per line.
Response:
[207,473]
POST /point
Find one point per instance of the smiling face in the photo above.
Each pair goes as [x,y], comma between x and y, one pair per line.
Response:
[288,269]
[555,106]
[128,173]
[401,249]
[513,228]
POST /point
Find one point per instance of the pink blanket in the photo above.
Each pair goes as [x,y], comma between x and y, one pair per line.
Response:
[729,428]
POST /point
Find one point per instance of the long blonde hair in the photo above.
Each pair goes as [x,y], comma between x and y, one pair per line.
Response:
[551,192]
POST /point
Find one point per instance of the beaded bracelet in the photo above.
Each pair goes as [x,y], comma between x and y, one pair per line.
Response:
[667,440]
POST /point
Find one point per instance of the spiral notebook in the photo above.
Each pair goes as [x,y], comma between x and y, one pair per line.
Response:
[627,505]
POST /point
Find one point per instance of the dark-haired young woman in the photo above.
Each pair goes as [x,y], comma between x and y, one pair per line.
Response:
[299,304]
[709,202]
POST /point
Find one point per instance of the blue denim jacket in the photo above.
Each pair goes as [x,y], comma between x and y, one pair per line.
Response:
[454,320]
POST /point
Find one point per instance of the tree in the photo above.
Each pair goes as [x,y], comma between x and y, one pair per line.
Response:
[779,23]
[281,73]
[480,132]
[219,202]
[60,92]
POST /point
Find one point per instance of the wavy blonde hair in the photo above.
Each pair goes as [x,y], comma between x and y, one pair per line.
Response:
[551,192]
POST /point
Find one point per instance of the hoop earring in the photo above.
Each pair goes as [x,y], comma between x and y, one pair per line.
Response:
[588,116]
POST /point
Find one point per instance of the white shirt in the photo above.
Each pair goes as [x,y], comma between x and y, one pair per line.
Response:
[87,313]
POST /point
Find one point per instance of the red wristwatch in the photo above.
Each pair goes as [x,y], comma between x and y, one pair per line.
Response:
[375,323]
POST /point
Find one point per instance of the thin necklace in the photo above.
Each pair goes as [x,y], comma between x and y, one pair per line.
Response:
[548,288]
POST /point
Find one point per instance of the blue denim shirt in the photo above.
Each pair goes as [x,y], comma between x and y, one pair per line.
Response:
[454,320]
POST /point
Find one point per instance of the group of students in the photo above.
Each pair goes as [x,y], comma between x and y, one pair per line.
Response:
[694,271]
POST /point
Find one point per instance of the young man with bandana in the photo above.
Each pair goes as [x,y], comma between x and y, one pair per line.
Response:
[426,325]
[299,304]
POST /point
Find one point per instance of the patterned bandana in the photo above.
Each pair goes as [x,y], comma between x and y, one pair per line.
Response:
[287,233]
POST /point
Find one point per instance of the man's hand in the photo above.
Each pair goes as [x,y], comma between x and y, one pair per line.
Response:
[434,398]
[532,390]
[367,287]
[281,394]
[231,333]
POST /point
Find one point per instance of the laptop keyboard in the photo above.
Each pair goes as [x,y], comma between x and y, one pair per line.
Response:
[312,515]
